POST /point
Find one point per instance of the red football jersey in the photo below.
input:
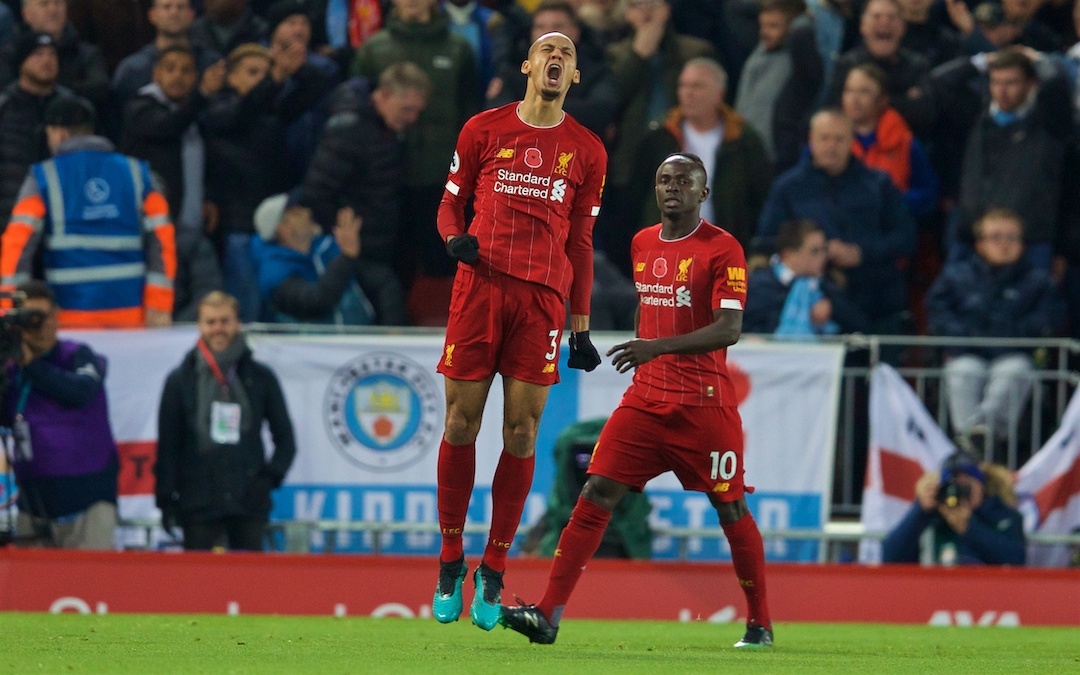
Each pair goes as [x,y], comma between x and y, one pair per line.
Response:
[537,192]
[680,283]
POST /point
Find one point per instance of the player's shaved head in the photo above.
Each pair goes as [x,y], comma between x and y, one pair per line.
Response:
[698,166]
[547,36]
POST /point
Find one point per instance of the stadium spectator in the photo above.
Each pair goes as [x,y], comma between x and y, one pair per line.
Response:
[734,155]
[870,235]
[907,72]
[884,141]
[982,28]
[7,27]
[161,127]
[792,296]
[1026,124]
[929,33]
[65,458]
[646,64]
[119,29]
[22,108]
[82,66]
[290,31]
[172,20]
[306,276]
[526,252]
[225,25]
[996,293]
[781,80]
[419,31]
[476,23]
[970,509]
[213,475]
[246,155]
[679,407]
[108,248]
[1033,32]
[628,535]
[592,101]
[604,18]
[360,163]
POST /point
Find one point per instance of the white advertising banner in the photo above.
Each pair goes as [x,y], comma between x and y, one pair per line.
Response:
[368,413]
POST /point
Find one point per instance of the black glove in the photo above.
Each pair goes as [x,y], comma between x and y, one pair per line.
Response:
[465,248]
[170,516]
[257,497]
[583,354]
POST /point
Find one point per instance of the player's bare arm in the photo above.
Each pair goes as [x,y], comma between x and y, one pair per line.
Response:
[724,331]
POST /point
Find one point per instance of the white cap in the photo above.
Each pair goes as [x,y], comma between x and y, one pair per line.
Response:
[268,215]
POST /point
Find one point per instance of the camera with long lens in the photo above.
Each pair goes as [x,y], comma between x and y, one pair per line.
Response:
[14,319]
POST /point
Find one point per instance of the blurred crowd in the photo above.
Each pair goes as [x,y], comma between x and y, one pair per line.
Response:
[855,148]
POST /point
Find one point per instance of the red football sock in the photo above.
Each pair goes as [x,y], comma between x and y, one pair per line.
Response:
[457,469]
[748,556]
[577,544]
[509,489]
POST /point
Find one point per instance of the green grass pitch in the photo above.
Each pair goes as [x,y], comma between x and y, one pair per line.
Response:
[139,643]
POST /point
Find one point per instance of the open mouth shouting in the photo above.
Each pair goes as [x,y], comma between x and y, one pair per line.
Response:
[552,74]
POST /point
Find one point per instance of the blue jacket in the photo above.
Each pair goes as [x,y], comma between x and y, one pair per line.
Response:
[995,536]
[859,206]
[971,299]
[319,287]
[767,293]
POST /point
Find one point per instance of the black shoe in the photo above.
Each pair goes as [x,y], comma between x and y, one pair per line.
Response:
[756,637]
[530,622]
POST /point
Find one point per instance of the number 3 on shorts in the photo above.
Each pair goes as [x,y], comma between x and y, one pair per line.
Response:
[554,335]
[724,465]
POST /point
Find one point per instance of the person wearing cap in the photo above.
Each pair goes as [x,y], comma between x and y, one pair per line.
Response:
[289,35]
[213,476]
[22,106]
[82,65]
[306,276]
[102,224]
[970,509]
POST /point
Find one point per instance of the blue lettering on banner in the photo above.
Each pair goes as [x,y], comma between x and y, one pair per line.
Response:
[417,504]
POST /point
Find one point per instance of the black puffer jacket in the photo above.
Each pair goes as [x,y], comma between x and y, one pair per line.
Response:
[210,486]
[22,140]
[359,163]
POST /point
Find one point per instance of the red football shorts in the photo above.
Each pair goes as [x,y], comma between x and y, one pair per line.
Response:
[500,324]
[703,446]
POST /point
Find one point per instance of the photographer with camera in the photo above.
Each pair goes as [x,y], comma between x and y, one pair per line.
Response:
[970,510]
[55,409]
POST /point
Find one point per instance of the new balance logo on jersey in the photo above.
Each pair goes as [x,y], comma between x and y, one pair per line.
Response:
[640,267]
[682,296]
[504,153]
[558,191]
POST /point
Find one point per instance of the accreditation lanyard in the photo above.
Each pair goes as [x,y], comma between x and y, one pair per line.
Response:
[20,429]
[221,378]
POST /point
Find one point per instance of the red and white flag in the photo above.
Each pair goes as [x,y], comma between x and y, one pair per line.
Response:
[905,443]
[1048,487]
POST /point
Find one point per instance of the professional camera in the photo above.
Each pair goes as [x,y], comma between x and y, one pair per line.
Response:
[952,492]
[14,319]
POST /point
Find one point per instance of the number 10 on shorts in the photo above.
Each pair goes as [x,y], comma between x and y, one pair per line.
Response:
[724,465]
